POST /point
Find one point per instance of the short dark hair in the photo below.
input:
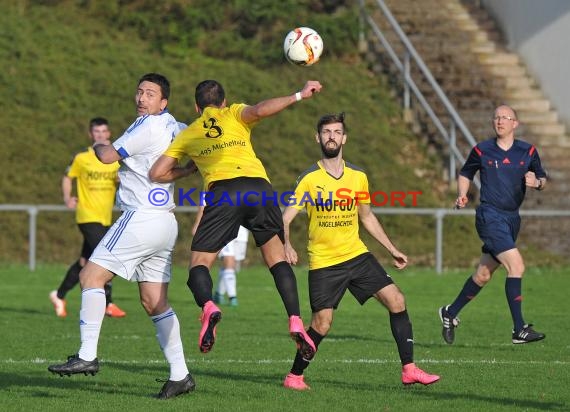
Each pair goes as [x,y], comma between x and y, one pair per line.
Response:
[331,118]
[209,93]
[97,121]
[158,79]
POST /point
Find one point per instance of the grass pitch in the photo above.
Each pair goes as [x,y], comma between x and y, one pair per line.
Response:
[356,369]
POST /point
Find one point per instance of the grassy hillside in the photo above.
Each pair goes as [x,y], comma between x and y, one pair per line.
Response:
[63,62]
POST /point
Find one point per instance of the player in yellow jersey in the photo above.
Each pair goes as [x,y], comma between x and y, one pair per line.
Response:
[96,187]
[219,143]
[334,193]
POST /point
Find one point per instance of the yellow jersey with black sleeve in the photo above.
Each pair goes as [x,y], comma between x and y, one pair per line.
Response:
[96,187]
[331,206]
[219,142]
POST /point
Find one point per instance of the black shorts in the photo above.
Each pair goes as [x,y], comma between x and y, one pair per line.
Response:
[246,201]
[92,235]
[363,276]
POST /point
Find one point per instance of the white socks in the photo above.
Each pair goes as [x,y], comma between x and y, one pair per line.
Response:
[228,277]
[221,289]
[91,317]
[168,335]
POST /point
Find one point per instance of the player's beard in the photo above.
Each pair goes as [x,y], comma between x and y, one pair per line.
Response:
[328,152]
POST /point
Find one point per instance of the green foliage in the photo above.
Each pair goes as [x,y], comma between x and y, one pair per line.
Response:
[243,29]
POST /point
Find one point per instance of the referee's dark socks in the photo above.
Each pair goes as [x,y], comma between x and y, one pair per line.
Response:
[286,283]
[513,290]
[200,284]
[467,294]
[300,364]
[402,332]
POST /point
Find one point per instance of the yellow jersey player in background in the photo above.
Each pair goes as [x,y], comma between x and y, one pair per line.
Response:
[96,187]
[335,195]
[219,143]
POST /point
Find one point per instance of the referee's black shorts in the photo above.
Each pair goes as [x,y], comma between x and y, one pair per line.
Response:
[247,201]
[362,275]
[92,234]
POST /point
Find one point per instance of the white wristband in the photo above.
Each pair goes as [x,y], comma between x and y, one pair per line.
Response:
[298,96]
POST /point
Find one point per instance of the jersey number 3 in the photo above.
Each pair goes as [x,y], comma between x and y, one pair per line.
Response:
[212,129]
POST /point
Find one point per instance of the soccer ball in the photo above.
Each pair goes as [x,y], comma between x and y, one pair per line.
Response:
[303,46]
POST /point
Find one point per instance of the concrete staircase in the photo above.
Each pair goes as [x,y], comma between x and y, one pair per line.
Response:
[540,123]
[463,48]
[521,91]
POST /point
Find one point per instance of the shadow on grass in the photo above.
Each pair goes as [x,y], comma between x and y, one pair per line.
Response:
[26,311]
[430,393]
[519,404]
[31,385]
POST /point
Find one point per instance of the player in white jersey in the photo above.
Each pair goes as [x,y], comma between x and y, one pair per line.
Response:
[231,255]
[139,245]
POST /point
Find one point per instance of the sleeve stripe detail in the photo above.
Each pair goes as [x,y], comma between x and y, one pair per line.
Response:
[531,151]
[124,154]
[479,152]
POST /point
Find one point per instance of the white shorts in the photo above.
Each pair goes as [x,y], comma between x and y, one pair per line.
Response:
[238,246]
[138,247]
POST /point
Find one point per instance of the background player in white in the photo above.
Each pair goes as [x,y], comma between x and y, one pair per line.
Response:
[139,245]
[232,255]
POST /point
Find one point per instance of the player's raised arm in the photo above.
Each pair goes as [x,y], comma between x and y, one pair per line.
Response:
[273,106]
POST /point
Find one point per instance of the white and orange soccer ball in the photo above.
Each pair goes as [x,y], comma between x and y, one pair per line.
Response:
[303,46]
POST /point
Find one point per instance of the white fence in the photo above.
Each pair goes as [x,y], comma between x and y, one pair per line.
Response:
[438,215]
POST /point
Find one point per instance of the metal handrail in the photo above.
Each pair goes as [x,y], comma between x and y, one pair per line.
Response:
[438,213]
[404,68]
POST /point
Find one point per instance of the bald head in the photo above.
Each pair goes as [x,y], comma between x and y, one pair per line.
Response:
[506,109]
[505,122]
